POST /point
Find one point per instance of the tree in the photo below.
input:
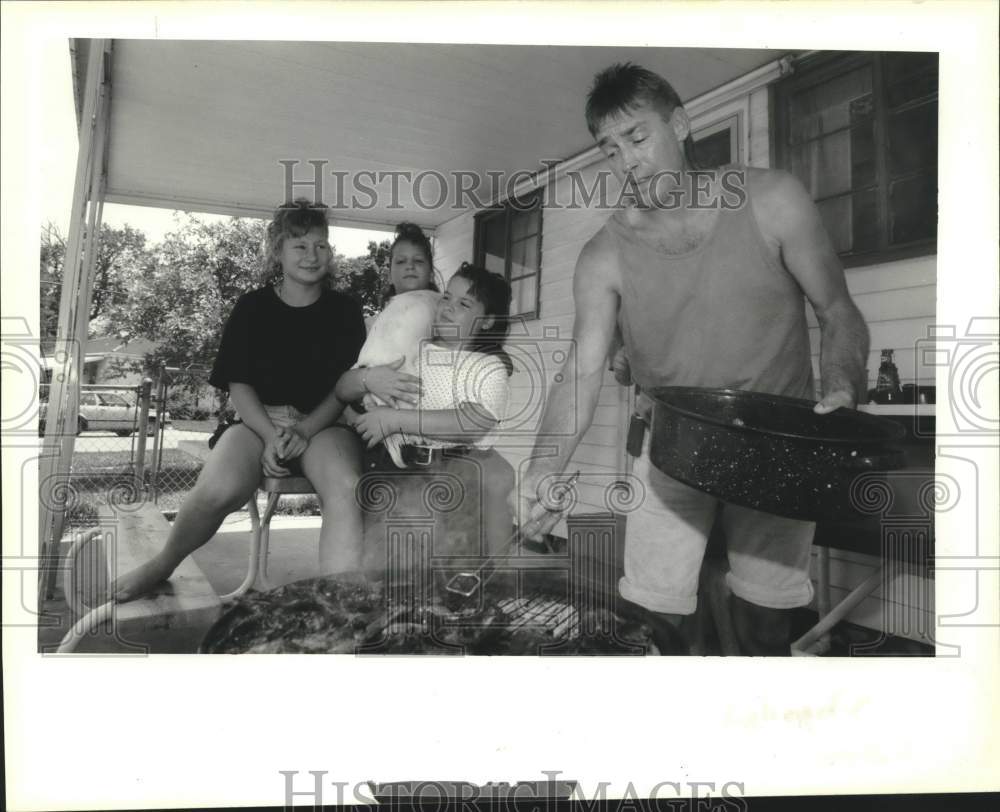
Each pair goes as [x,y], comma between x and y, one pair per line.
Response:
[120,253]
[50,273]
[364,278]
[182,299]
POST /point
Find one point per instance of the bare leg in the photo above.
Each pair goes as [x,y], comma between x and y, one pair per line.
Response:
[332,463]
[225,483]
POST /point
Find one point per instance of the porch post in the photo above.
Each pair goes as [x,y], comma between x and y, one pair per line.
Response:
[55,488]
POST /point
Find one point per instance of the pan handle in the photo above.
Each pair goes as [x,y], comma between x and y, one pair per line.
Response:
[889,459]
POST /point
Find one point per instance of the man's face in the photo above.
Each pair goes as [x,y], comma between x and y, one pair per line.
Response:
[640,144]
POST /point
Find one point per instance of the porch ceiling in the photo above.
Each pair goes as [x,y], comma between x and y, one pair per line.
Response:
[202,125]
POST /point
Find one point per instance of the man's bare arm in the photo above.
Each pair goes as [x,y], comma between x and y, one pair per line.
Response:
[786,211]
[571,401]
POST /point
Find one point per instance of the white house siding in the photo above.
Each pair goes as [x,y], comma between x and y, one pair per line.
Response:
[453,243]
[898,302]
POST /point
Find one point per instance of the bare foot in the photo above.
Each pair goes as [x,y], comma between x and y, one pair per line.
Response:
[142,580]
[340,562]
[341,556]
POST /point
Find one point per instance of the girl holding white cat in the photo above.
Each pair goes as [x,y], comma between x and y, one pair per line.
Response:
[450,436]
[464,369]
[411,267]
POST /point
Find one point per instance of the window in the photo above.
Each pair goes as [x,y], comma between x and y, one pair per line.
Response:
[860,131]
[508,241]
[718,144]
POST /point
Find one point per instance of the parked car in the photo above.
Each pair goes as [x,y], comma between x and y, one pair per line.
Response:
[106,411]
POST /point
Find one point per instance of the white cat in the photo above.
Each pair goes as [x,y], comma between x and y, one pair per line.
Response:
[405,322]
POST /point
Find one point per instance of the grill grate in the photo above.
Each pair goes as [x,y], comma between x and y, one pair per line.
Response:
[541,613]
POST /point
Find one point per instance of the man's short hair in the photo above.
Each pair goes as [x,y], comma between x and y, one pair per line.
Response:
[624,86]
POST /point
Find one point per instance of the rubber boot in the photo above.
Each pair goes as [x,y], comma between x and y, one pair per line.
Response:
[762,632]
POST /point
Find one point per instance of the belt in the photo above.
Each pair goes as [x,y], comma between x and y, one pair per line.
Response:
[428,455]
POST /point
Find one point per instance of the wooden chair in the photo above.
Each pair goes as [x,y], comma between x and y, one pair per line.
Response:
[260,526]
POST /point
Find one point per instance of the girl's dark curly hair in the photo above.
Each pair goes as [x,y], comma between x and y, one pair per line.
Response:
[411,233]
[494,292]
[290,220]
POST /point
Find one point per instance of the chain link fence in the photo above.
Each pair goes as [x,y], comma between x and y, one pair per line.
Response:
[147,439]
[131,439]
[195,410]
[116,429]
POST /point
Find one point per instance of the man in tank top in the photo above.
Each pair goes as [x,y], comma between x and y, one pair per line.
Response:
[706,276]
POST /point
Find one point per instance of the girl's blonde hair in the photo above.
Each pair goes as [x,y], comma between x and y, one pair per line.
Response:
[290,220]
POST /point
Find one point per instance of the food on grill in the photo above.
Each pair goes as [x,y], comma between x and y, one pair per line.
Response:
[347,615]
[435,629]
[318,615]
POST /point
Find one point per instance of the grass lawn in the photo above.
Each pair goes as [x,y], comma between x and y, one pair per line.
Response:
[102,462]
[205,426]
[96,474]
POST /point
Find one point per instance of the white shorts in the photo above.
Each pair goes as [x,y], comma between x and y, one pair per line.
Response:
[665,542]
[283,416]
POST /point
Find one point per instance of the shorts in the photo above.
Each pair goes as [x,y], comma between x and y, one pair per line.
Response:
[282,416]
[665,541]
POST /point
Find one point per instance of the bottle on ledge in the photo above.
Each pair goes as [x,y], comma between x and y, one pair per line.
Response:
[887,388]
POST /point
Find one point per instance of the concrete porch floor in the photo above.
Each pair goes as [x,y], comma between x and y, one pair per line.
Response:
[224,561]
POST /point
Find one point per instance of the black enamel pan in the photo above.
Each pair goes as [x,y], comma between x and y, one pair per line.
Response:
[769,452]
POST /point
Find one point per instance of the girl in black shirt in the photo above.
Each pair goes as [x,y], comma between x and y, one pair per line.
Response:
[282,351]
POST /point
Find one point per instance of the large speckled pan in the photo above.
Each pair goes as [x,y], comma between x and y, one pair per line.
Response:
[768,452]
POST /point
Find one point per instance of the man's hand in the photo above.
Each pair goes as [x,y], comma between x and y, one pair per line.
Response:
[838,399]
[377,424]
[292,443]
[539,504]
[622,368]
[269,459]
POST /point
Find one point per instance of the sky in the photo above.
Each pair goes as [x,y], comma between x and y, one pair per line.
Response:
[59,166]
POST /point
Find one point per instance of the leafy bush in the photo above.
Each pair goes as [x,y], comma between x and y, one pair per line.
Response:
[298,505]
[83,513]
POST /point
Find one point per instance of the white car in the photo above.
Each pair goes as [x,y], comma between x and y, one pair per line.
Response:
[106,411]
